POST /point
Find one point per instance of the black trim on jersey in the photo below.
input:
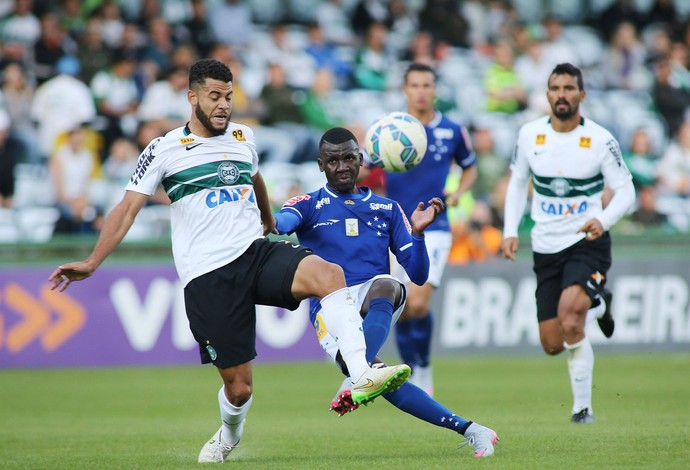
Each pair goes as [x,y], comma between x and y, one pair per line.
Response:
[582,121]
[186,131]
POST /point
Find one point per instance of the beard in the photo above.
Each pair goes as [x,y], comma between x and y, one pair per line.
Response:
[205,121]
[566,114]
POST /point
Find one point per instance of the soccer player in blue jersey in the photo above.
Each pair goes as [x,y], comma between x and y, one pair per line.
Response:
[448,142]
[355,228]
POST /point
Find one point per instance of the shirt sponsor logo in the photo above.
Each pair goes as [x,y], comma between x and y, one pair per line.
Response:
[585,142]
[321,202]
[144,161]
[377,206]
[552,208]
[228,172]
[294,200]
[221,196]
[541,139]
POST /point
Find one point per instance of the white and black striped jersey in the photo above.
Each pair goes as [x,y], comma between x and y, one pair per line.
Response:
[214,215]
[568,171]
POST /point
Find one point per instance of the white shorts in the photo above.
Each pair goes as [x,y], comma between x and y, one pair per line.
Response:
[359,293]
[438,243]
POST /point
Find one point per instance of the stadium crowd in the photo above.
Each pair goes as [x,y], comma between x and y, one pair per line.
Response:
[85,85]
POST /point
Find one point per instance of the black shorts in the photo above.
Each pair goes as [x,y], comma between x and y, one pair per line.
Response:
[584,263]
[221,304]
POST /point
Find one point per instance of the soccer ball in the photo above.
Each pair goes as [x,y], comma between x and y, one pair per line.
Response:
[396,142]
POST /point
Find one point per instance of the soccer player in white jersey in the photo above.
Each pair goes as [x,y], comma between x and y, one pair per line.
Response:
[569,159]
[355,228]
[220,213]
[448,142]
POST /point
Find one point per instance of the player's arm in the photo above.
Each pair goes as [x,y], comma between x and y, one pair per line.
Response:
[467,160]
[467,179]
[618,178]
[263,202]
[516,200]
[115,227]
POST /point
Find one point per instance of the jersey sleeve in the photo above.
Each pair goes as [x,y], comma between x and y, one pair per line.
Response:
[516,195]
[410,251]
[251,142]
[149,171]
[464,154]
[299,206]
[618,178]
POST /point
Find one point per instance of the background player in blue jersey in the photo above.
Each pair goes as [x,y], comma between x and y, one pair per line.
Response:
[355,228]
[448,142]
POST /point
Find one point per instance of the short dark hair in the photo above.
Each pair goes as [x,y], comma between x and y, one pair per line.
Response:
[208,68]
[568,69]
[337,135]
[418,67]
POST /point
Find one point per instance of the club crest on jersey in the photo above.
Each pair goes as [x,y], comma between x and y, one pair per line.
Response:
[541,139]
[585,142]
[228,172]
[560,186]
[351,227]
[186,140]
[349,202]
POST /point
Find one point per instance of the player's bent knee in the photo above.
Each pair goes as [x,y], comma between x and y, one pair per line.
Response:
[316,277]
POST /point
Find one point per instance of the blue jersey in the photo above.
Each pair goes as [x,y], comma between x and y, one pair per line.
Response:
[447,142]
[354,231]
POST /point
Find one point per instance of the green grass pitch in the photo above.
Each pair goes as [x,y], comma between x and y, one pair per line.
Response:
[158,418]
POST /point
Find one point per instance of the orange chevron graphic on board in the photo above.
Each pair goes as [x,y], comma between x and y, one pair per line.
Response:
[54,317]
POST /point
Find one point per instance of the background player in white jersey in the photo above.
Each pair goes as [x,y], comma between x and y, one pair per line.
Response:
[448,142]
[355,228]
[569,159]
[220,213]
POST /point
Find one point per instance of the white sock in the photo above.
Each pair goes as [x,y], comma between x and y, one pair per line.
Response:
[581,367]
[343,322]
[232,418]
[598,311]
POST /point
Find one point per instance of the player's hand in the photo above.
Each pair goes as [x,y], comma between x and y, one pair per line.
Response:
[270,226]
[421,218]
[592,229]
[64,275]
[509,248]
[452,198]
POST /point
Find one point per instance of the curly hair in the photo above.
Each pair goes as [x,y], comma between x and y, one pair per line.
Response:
[208,68]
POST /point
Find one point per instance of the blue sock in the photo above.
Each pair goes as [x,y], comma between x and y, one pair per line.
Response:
[415,401]
[376,325]
[422,330]
[406,346]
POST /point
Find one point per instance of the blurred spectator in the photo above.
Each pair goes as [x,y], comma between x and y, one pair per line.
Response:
[476,240]
[616,13]
[72,169]
[674,166]
[118,168]
[183,56]
[533,70]
[505,92]
[368,12]
[283,112]
[327,55]
[445,21]
[19,31]
[93,54]
[299,66]
[640,161]
[557,48]
[678,57]
[198,28]
[165,102]
[663,12]
[402,25]
[646,214]
[624,65]
[318,109]
[145,133]
[53,44]
[71,17]
[112,23]
[372,61]
[670,101]
[18,95]
[231,22]
[115,93]
[335,23]
[8,161]
[60,104]
[421,49]
[132,40]
[491,167]
[159,46]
